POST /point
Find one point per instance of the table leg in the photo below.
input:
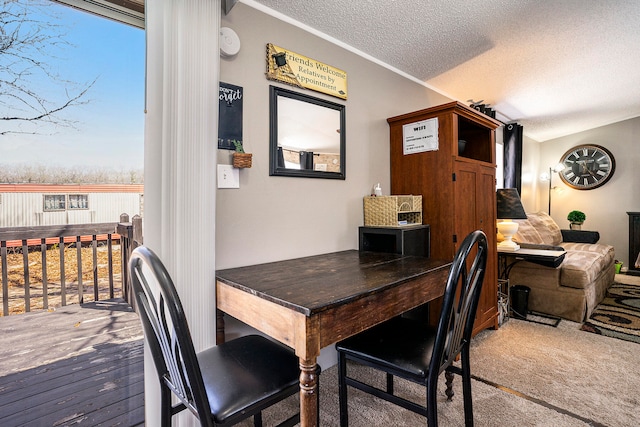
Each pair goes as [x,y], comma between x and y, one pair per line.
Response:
[219,327]
[309,416]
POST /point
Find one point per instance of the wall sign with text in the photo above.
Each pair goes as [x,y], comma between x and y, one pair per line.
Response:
[229,115]
[297,70]
[420,136]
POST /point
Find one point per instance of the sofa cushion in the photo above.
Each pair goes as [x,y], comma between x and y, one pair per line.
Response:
[527,233]
[581,267]
[606,251]
[546,227]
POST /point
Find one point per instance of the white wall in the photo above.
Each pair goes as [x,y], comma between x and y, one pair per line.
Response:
[274,218]
[605,206]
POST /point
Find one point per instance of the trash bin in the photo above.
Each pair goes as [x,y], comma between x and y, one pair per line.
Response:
[520,301]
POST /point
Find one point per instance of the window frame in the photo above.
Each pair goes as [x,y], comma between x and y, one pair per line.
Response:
[85,200]
[45,208]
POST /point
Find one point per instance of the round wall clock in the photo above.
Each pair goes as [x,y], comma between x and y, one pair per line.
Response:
[587,166]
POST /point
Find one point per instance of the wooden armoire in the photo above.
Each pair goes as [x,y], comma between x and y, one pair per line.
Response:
[457,181]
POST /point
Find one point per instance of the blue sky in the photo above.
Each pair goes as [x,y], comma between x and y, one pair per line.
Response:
[110,129]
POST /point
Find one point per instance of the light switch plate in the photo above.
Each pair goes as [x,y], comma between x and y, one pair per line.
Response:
[228,177]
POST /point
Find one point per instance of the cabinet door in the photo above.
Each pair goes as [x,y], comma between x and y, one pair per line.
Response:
[475,209]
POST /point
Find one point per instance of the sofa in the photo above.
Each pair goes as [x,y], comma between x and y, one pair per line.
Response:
[573,289]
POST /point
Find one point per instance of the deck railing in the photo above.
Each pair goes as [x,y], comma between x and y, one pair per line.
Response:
[48,266]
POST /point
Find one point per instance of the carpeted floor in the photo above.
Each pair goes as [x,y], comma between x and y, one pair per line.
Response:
[589,376]
[618,315]
[526,374]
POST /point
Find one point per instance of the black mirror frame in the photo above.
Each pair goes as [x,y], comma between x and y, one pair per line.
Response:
[274,170]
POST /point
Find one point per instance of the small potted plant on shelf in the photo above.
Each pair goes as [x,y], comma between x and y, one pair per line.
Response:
[240,158]
[576,218]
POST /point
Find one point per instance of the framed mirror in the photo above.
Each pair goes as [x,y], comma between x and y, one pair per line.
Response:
[307,136]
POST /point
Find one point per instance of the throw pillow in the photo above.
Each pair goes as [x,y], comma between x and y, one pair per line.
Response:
[527,233]
[546,227]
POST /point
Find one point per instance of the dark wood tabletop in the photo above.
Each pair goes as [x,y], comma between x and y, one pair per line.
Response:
[316,283]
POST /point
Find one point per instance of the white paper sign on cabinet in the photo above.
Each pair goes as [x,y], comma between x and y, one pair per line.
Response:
[420,136]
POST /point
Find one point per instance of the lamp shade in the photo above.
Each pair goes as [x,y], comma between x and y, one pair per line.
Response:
[509,205]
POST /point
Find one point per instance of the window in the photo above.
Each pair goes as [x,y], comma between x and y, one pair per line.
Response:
[61,202]
[54,202]
[78,201]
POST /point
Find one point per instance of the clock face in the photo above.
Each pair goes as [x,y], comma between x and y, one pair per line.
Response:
[587,167]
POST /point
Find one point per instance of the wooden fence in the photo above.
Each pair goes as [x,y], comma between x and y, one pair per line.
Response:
[53,273]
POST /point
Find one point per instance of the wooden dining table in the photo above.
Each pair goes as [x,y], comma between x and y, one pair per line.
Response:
[311,302]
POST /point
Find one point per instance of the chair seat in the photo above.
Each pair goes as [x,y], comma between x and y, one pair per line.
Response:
[401,345]
[236,381]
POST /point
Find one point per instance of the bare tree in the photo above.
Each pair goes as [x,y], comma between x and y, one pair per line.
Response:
[30,35]
[43,174]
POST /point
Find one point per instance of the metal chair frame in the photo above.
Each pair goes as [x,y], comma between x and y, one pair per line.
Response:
[174,356]
[450,339]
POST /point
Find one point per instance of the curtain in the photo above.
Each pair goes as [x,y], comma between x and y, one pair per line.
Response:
[306,160]
[181,128]
[513,156]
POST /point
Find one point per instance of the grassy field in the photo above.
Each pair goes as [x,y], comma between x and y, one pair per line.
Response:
[16,281]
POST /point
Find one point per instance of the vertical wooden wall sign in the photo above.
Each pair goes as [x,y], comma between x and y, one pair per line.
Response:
[229,115]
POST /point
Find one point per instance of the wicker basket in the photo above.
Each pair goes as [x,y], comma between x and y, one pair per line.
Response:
[242,160]
[392,210]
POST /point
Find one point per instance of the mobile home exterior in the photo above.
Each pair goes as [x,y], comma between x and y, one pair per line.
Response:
[24,205]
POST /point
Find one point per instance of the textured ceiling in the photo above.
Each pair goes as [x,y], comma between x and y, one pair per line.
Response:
[556,67]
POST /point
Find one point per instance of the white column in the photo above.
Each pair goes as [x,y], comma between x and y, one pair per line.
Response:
[180,157]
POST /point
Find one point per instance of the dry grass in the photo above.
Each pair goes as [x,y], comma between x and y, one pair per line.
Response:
[16,280]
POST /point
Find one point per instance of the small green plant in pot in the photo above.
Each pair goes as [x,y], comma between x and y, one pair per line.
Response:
[240,158]
[238,146]
[576,218]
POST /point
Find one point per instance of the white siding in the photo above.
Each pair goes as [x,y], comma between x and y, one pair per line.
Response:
[26,209]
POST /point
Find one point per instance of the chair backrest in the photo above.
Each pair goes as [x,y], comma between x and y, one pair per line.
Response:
[165,327]
[461,295]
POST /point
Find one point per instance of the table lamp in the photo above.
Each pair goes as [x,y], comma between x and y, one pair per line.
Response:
[509,208]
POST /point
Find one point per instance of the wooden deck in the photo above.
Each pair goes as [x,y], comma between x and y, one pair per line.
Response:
[78,365]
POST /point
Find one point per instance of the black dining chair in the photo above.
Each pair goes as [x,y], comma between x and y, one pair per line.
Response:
[222,385]
[410,349]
